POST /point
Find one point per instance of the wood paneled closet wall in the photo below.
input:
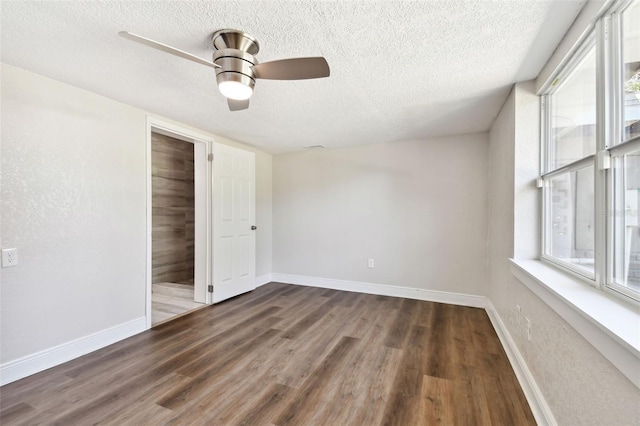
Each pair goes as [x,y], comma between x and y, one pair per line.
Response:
[173,210]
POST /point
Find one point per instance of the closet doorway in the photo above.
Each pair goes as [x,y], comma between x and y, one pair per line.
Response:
[179,229]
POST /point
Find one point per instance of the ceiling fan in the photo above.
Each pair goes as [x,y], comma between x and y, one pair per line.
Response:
[237,68]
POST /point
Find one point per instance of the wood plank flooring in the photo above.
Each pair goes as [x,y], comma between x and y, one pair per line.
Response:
[169,300]
[287,355]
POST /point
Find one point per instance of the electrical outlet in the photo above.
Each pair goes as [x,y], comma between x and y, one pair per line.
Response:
[371,263]
[528,328]
[9,257]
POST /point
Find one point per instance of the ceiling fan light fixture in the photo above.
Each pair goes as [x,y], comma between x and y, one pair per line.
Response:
[235,90]
[235,85]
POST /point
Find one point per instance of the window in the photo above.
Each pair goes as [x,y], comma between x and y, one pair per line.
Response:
[631,71]
[569,238]
[591,158]
[573,114]
[626,235]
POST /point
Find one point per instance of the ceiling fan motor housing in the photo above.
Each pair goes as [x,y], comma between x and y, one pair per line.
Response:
[234,53]
[235,65]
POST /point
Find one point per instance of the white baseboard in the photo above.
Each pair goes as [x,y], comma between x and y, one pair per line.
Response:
[40,361]
[263,279]
[538,404]
[383,290]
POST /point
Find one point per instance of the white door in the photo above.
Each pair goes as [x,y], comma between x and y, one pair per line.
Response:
[234,240]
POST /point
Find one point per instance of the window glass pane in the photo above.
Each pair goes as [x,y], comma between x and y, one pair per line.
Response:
[626,177]
[573,115]
[570,213]
[631,59]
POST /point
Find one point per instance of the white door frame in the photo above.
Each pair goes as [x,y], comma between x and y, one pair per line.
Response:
[203,201]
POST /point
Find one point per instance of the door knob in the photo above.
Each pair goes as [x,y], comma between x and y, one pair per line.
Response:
[253,227]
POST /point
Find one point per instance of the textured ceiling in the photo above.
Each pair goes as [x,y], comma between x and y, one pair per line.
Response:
[400,70]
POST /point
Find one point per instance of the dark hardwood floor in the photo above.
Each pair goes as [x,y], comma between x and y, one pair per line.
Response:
[287,355]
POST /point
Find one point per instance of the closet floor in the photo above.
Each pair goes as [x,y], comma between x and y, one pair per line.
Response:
[169,300]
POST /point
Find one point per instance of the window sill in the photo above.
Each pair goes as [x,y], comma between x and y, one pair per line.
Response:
[610,325]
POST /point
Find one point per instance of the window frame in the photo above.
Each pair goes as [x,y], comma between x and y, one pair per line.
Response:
[606,38]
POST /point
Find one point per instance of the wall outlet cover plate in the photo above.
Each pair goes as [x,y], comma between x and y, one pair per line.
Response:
[9,257]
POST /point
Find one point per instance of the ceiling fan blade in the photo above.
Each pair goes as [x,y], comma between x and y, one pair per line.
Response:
[167,49]
[235,105]
[292,69]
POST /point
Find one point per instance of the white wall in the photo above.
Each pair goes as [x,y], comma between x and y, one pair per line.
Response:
[579,384]
[418,208]
[501,180]
[73,203]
